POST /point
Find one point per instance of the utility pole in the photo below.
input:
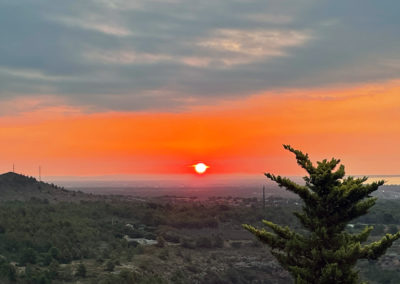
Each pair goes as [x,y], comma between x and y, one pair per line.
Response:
[263,196]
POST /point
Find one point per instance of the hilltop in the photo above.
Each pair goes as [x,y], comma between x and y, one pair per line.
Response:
[15,186]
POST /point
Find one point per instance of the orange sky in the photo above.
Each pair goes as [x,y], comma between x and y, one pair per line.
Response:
[358,124]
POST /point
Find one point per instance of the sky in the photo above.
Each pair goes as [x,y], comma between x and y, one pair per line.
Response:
[129,87]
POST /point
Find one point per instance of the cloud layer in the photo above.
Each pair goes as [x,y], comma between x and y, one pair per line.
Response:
[170,54]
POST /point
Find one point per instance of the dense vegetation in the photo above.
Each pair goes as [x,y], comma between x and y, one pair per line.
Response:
[42,242]
[39,236]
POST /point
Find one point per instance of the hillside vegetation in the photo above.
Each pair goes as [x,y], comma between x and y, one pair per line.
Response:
[157,240]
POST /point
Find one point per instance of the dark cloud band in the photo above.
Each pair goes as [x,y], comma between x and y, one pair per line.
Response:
[135,55]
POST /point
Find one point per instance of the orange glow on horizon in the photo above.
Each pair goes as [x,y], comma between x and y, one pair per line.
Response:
[360,126]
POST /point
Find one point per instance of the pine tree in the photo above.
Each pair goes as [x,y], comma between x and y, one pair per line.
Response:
[327,253]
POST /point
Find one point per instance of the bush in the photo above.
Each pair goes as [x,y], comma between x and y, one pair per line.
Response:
[81,270]
[54,268]
[28,256]
[8,271]
[110,266]
[171,237]
[160,242]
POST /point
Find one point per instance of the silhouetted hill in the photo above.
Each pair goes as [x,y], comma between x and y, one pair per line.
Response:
[15,186]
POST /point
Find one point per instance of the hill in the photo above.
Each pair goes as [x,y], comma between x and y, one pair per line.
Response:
[15,186]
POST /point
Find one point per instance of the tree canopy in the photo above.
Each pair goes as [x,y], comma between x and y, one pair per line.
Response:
[326,253]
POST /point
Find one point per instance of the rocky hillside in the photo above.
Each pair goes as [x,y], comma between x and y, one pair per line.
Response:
[19,187]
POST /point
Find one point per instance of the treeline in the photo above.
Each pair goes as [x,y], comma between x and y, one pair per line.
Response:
[39,240]
[384,212]
[38,237]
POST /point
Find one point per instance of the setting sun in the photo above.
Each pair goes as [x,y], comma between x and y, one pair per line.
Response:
[200,168]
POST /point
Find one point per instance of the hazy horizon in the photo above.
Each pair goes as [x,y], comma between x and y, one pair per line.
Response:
[185,180]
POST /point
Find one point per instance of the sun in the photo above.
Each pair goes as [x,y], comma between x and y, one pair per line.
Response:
[200,168]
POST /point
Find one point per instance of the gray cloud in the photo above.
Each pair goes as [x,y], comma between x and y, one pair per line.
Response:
[135,55]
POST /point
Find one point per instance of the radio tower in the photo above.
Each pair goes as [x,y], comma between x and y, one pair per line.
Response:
[13,169]
[40,173]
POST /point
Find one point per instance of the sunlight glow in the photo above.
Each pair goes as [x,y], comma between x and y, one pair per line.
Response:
[200,168]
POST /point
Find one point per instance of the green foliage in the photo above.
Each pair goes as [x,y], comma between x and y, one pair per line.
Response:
[54,252]
[377,275]
[28,256]
[178,277]
[61,235]
[66,274]
[81,270]
[110,265]
[129,254]
[36,276]
[54,269]
[327,253]
[7,271]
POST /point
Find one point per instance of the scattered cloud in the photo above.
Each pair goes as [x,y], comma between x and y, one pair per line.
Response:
[124,57]
[246,46]
[31,74]
[117,54]
[224,48]
[91,23]
[43,107]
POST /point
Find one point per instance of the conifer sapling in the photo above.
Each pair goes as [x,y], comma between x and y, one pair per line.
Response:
[327,254]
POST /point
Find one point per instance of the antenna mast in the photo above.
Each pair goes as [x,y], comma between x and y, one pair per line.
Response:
[40,173]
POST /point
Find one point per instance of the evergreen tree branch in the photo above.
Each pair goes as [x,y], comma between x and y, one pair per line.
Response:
[359,209]
[302,274]
[302,159]
[378,248]
[305,220]
[356,191]
[267,237]
[363,235]
[339,174]
[282,232]
[300,190]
